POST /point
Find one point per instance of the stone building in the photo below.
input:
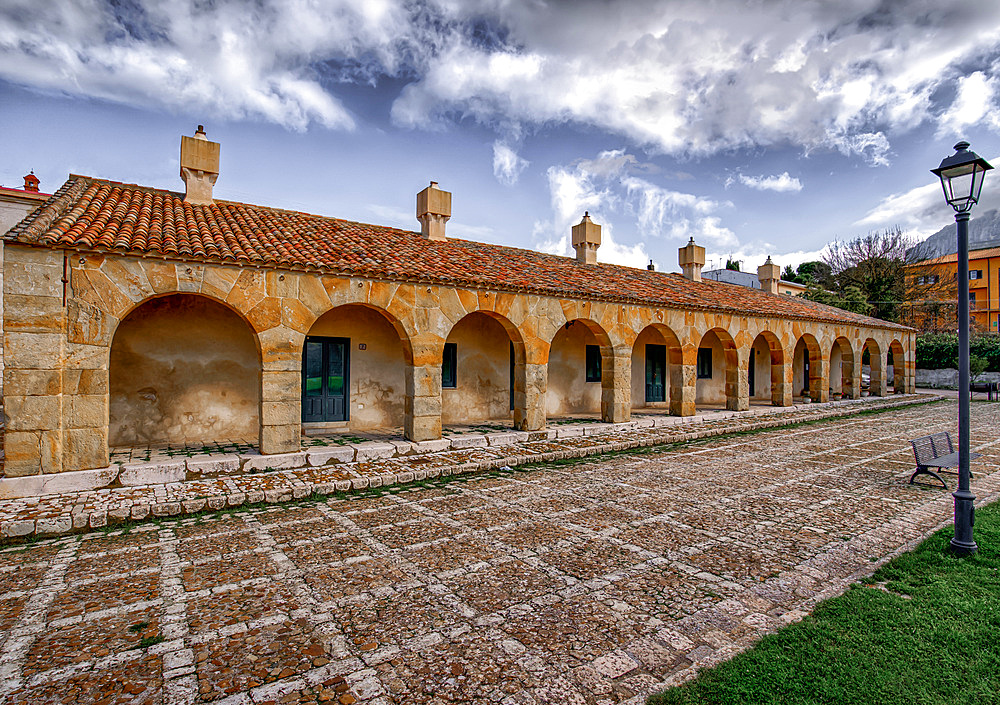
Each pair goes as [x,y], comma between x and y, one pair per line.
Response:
[135,315]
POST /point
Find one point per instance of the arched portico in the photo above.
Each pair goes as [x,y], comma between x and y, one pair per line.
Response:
[718,372]
[183,369]
[479,369]
[580,355]
[872,367]
[354,366]
[766,371]
[809,378]
[658,370]
[843,380]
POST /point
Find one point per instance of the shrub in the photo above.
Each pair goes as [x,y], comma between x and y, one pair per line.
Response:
[936,351]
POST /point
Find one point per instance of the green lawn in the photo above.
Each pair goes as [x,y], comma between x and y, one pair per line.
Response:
[934,637]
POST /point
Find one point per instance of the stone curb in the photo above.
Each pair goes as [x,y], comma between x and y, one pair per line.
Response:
[347,477]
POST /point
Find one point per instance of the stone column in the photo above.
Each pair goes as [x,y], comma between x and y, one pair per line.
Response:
[530,382]
[35,343]
[856,378]
[422,404]
[737,382]
[616,385]
[684,384]
[788,377]
[819,379]
[281,390]
[781,385]
[877,386]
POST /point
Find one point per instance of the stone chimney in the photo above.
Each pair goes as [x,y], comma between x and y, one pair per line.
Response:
[692,259]
[31,182]
[586,239]
[769,274]
[199,167]
[651,267]
[433,211]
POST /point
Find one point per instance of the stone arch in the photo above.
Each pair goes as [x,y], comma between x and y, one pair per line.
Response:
[653,387]
[898,376]
[808,378]
[489,370]
[874,368]
[766,369]
[578,383]
[719,382]
[183,368]
[355,359]
[842,368]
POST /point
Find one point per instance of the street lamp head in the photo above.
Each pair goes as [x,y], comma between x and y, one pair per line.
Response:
[961,177]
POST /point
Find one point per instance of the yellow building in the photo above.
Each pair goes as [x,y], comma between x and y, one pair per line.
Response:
[932,291]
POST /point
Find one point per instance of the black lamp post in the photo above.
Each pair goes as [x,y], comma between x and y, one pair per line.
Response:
[961,177]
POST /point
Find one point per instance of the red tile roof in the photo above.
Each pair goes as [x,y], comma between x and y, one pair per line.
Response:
[94,214]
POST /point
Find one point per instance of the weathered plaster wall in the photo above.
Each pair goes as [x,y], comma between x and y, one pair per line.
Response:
[568,391]
[482,390]
[836,371]
[183,369]
[762,369]
[712,390]
[377,373]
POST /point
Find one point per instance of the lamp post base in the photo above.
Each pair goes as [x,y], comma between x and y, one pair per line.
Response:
[962,543]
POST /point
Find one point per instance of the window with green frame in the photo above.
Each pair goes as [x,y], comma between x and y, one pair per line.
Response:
[593,363]
[704,363]
[449,365]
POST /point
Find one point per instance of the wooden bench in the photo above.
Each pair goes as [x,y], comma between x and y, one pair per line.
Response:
[935,451]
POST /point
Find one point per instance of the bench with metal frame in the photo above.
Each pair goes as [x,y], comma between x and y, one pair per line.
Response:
[935,451]
[991,388]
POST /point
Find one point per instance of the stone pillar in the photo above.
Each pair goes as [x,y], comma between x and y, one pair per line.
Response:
[281,390]
[616,385]
[819,378]
[530,382]
[877,386]
[34,342]
[788,375]
[422,405]
[737,381]
[856,378]
[682,389]
[781,383]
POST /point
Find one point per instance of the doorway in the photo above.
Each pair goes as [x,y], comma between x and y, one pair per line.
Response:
[325,379]
[656,370]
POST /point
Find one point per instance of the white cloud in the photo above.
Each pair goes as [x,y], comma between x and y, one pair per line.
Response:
[922,211]
[974,103]
[607,187]
[683,77]
[781,183]
[507,164]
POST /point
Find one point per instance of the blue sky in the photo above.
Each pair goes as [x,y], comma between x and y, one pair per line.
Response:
[758,128]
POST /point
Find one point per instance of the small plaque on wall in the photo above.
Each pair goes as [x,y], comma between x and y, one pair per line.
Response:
[362,346]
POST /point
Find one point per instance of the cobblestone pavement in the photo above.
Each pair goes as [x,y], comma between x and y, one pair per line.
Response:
[592,582]
[173,485]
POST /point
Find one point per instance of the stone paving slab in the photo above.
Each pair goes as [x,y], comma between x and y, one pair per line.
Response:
[594,583]
[172,488]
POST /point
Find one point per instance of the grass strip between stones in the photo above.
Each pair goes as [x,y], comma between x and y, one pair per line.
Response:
[923,629]
[581,456]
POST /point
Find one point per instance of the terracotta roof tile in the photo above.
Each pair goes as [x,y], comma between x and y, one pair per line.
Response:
[90,213]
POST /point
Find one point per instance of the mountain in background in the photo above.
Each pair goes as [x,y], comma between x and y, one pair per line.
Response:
[984,231]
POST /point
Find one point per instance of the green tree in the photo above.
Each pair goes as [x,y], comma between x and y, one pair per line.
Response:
[789,274]
[733,264]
